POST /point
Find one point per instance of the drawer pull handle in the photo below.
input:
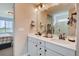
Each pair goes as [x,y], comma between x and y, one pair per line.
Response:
[45,50]
[35,45]
[40,48]
[40,43]
[40,54]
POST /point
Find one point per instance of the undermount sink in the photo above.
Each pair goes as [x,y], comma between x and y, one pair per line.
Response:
[68,38]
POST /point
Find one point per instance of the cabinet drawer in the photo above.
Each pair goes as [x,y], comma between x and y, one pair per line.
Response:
[61,50]
[51,53]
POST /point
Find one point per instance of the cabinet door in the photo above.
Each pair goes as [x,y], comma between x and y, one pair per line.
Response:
[51,53]
[32,47]
[41,45]
[60,49]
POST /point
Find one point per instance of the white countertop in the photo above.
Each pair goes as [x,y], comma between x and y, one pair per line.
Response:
[55,40]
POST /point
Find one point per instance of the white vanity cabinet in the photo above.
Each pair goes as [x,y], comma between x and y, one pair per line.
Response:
[32,47]
[35,47]
[42,47]
[60,49]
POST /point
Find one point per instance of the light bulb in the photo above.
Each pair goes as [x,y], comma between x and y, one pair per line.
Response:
[36,9]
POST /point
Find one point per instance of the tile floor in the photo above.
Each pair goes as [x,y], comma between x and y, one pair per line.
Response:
[7,52]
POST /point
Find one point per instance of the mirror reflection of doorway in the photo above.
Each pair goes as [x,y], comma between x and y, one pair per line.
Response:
[6,29]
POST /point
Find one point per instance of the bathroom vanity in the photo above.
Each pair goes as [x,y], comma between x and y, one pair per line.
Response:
[42,46]
[58,24]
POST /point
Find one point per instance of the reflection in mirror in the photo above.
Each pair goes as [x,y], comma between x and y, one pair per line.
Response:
[60,22]
[59,19]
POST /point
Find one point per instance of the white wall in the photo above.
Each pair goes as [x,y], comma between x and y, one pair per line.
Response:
[23,16]
[5,8]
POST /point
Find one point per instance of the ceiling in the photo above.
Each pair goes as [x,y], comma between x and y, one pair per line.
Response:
[45,5]
[60,7]
[5,8]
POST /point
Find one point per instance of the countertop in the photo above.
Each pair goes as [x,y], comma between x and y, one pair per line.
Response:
[55,40]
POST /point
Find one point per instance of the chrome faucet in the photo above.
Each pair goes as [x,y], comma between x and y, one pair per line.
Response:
[62,36]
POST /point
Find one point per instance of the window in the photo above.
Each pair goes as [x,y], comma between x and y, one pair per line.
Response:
[9,26]
[60,22]
[6,26]
[61,17]
[2,26]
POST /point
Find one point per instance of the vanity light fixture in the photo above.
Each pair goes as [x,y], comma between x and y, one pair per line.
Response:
[39,6]
[36,9]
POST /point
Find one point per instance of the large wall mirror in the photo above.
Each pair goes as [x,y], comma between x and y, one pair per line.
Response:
[62,19]
[58,19]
